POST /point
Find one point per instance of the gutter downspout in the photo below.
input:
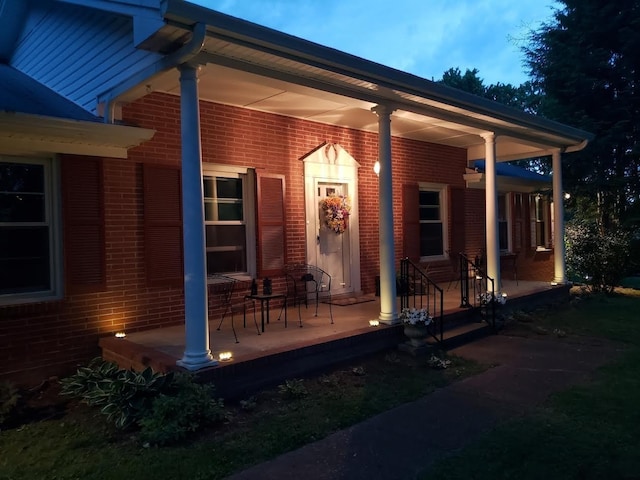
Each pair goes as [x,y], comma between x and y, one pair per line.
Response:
[186,53]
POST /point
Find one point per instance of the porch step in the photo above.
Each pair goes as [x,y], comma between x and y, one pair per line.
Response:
[464,333]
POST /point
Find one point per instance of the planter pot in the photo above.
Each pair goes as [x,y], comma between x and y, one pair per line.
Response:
[416,334]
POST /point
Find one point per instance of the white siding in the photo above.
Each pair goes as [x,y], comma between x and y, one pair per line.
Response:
[78,52]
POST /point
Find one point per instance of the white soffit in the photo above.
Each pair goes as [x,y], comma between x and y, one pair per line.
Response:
[36,134]
[256,74]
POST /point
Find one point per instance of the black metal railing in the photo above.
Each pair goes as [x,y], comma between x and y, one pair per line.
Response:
[477,289]
[417,290]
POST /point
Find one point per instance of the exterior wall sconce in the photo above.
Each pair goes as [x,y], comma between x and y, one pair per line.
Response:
[376,167]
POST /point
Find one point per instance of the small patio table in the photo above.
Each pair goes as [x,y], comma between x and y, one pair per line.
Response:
[265,300]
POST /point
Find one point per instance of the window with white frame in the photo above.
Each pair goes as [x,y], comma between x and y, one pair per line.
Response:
[229,225]
[540,229]
[28,230]
[432,221]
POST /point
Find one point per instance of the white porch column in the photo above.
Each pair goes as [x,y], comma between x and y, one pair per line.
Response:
[196,353]
[388,302]
[491,207]
[558,220]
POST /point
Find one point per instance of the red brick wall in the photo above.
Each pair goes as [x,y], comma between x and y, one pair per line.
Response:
[38,340]
[50,338]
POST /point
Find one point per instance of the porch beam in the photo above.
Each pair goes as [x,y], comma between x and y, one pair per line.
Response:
[388,303]
[559,266]
[491,210]
[197,353]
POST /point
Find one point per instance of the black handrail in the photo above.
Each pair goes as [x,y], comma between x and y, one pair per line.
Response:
[417,290]
[476,285]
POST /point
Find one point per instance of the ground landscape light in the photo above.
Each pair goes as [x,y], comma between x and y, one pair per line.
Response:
[225,356]
[120,334]
[374,323]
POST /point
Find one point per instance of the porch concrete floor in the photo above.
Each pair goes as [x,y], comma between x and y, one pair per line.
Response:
[351,320]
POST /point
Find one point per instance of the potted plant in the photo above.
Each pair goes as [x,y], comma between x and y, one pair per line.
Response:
[416,321]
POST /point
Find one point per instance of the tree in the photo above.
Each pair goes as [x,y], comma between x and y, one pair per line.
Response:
[585,63]
[525,97]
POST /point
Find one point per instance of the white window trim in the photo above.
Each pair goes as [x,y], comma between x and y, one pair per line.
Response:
[546,220]
[443,191]
[249,211]
[53,219]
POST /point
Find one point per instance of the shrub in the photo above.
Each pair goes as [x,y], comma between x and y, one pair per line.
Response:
[597,258]
[293,389]
[166,407]
[123,395]
[186,409]
[8,400]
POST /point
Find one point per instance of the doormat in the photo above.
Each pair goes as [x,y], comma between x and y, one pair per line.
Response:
[346,301]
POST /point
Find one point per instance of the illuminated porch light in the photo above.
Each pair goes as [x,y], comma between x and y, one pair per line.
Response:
[374,323]
[376,167]
[120,334]
[225,356]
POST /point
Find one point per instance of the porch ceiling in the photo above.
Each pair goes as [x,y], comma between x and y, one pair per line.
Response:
[253,67]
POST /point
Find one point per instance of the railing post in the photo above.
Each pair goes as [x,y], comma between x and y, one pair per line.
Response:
[464,281]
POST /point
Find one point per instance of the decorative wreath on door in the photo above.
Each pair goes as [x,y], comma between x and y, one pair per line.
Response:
[336,210]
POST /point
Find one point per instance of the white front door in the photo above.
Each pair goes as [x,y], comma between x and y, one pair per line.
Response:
[333,254]
[329,171]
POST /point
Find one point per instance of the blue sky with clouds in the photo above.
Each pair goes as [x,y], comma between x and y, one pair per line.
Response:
[423,37]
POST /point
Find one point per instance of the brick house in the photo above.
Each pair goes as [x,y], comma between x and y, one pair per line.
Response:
[147,145]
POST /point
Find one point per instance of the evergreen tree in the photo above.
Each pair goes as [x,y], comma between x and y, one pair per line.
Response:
[586,63]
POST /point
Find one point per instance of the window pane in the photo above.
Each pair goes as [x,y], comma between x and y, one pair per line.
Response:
[226,235]
[21,193]
[540,235]
[23,207]
[229,187]
[429,198]
[503,233]
[23,178]
[502,207]
[207,187]
[430,213]
[24,259]
[229,210]
[226,249]
[209,210]
[226,262]
[430,239]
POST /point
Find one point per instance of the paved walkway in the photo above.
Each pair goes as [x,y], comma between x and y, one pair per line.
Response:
[401,443]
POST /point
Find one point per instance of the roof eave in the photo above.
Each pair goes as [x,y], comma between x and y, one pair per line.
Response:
[22,133]
[234,28]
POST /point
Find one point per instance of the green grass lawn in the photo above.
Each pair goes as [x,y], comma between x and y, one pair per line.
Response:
[80,445]
[587,432]
[591,431]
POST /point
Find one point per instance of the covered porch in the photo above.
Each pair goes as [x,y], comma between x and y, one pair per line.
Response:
[280,353]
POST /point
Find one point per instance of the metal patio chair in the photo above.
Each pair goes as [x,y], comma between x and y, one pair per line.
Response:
[308,281]
[221,291]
